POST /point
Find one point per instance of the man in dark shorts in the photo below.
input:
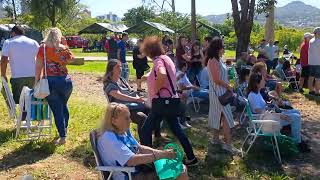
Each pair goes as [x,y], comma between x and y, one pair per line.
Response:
[304,60]
[20,51]
[314,63]
[140,64]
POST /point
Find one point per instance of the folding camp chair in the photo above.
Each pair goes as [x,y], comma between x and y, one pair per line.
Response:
[106,171]
[9,100]
[261,128]
[290,79]
[34,126]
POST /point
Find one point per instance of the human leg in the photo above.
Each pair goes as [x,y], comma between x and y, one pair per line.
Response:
[183,139]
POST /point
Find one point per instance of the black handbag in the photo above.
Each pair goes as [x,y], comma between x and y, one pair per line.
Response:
[167,106]
[229,97]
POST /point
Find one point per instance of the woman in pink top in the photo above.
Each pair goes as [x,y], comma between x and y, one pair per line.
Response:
[159,84]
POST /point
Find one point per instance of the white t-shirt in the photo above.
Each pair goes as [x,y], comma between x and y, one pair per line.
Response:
[256,101]
[314,51]
[22,52]
[184,81]
[114,152]
[276,51]
[269,51]
[204,78]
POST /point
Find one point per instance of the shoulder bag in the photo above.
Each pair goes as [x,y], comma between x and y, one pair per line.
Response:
[167,106]
[41,90]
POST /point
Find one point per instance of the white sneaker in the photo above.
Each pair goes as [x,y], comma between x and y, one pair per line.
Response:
[186,124]
[231,149]
[182,126]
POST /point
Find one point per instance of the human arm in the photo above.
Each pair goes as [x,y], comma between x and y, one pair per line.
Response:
[213,65]
[4,64]
[123,97]
[39,66]
[151,156]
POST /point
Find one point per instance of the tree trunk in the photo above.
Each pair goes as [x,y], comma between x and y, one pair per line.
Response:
[14,11]
[269,26]
[243,22]
[53,17]
[173,5]
[193,20]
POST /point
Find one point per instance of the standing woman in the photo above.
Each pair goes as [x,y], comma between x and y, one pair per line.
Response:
[140,64]
[159,85]
[181,50]
[219,84]
[60,84]
[195,62]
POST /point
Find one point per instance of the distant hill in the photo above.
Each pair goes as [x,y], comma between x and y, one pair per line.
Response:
[294,14]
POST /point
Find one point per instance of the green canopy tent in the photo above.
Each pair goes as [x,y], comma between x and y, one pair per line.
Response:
[31,33]
[148,28]
[103,28]
[213,31]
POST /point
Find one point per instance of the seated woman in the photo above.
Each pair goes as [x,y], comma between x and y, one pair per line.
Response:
[185,85]
[271,83]
[118,90]
[243,82]
[117,147]
[258,106]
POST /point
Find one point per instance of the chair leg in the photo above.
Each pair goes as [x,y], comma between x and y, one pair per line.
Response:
[110,175]
[251,143]
[278,151]
[242,116]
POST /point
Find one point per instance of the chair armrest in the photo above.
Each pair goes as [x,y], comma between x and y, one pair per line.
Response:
[265,121]
[114,168]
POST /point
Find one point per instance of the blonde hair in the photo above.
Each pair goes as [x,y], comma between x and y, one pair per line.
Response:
[113,110]
[53,37]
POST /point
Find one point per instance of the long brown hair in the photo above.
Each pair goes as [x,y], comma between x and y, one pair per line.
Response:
[213,50]
[254,81]
[107,78]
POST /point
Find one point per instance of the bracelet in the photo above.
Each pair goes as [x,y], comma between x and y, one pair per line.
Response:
[154,156]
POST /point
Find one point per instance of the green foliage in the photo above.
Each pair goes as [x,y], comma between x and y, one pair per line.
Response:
[53,10]
[136,15]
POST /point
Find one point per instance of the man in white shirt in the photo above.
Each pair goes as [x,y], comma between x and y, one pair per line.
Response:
[276,54]
[20,51]
[314,63]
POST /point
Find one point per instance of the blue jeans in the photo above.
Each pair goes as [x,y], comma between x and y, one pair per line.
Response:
[202,94]
[125,71]
[295,118]
[174,126]
[60,91]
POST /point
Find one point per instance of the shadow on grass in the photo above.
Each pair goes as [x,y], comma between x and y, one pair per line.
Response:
[313,98]
[27,154]
[83,154]
[6,135]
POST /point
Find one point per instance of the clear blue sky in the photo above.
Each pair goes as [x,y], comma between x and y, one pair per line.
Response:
[204,7]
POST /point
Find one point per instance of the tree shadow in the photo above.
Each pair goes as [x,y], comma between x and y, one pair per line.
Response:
[28,153]
[83,154]
[6,135]
[313,98]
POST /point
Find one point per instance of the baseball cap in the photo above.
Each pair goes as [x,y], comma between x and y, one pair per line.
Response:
[316,30]
[307,35]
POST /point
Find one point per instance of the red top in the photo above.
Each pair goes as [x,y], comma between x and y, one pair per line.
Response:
[304,53]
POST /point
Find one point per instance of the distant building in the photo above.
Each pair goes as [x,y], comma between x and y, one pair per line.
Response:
[110,16]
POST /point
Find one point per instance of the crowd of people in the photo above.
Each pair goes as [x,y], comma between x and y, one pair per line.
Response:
[193,70]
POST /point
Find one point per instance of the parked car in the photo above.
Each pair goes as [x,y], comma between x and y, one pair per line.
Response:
[75,41]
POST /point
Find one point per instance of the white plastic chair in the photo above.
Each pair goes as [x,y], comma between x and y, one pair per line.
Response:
[106,171]
[10,101]
[261,128]
[34,129]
